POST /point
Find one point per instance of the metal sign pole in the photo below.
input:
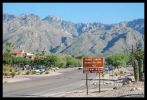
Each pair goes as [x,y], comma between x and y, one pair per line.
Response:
[99,81]
[87,82]
[92,65]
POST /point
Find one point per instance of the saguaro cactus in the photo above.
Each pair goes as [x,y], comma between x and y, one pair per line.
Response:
[140,65]
[136,70]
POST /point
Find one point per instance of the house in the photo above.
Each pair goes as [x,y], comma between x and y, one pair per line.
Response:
[18,53]
[29,55]
[21,53]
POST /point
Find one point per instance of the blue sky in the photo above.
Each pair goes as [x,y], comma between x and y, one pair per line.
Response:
[106,13]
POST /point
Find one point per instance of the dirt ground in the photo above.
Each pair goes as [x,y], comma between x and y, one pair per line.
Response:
[132,89]
[122,91]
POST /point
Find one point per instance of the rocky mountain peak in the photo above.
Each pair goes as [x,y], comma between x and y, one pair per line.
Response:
[8,17]
[30,33]
[30,17]
[51,18]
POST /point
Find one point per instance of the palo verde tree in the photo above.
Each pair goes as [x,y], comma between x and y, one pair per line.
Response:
[51,60]
[117,60]
[73,62]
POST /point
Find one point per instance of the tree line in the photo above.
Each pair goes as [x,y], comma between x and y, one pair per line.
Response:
[117,60]
[41,58]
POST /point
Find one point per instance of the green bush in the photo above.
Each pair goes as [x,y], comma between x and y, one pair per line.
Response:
[46,72]
[117,60]
[61,64]
[18,73]
[11,70]
[41,72]
[6,68]
[33,72]
[73,62]
[28,72]
[6,73]
[16,70]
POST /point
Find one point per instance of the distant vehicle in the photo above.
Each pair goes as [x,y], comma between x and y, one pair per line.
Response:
[26,67]
[80,68]
[39,68]
[108,68]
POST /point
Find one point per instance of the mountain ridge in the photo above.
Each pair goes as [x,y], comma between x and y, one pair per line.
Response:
[55,35]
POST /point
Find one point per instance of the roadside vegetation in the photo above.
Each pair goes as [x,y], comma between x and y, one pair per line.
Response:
[50,61]
[134,58]
[55,61]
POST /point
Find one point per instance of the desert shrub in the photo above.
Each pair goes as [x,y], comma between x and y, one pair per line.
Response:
[117,60]
[11,70]
[121,73]
[18,72]
[13,74]
[6,73]
[46,72]
[6,68]
[33,72]
[73,62]
[41,72]
[28,72]
[115,73]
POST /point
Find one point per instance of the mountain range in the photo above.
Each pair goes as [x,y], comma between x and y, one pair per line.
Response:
[52,34]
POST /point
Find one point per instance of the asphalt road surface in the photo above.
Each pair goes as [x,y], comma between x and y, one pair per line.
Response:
[48,86]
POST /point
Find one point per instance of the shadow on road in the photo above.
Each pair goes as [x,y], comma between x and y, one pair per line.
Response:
[104,79]
[29,96]
[133,95]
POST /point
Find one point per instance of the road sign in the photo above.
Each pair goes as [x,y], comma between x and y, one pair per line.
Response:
[93,65]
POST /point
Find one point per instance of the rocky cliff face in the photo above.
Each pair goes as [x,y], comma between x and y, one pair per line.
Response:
[54,35]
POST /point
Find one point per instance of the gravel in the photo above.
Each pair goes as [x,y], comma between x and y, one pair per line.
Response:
[121,91]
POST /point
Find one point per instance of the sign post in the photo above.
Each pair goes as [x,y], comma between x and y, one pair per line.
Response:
[93,65]
[99,82]
[87,82]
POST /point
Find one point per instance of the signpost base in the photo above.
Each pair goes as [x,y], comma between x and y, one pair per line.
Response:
[87,82]
[99,82]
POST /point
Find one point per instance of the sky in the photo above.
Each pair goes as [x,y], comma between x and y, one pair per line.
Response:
[107,13]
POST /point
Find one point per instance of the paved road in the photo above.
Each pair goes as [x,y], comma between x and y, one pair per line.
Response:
[70,79]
